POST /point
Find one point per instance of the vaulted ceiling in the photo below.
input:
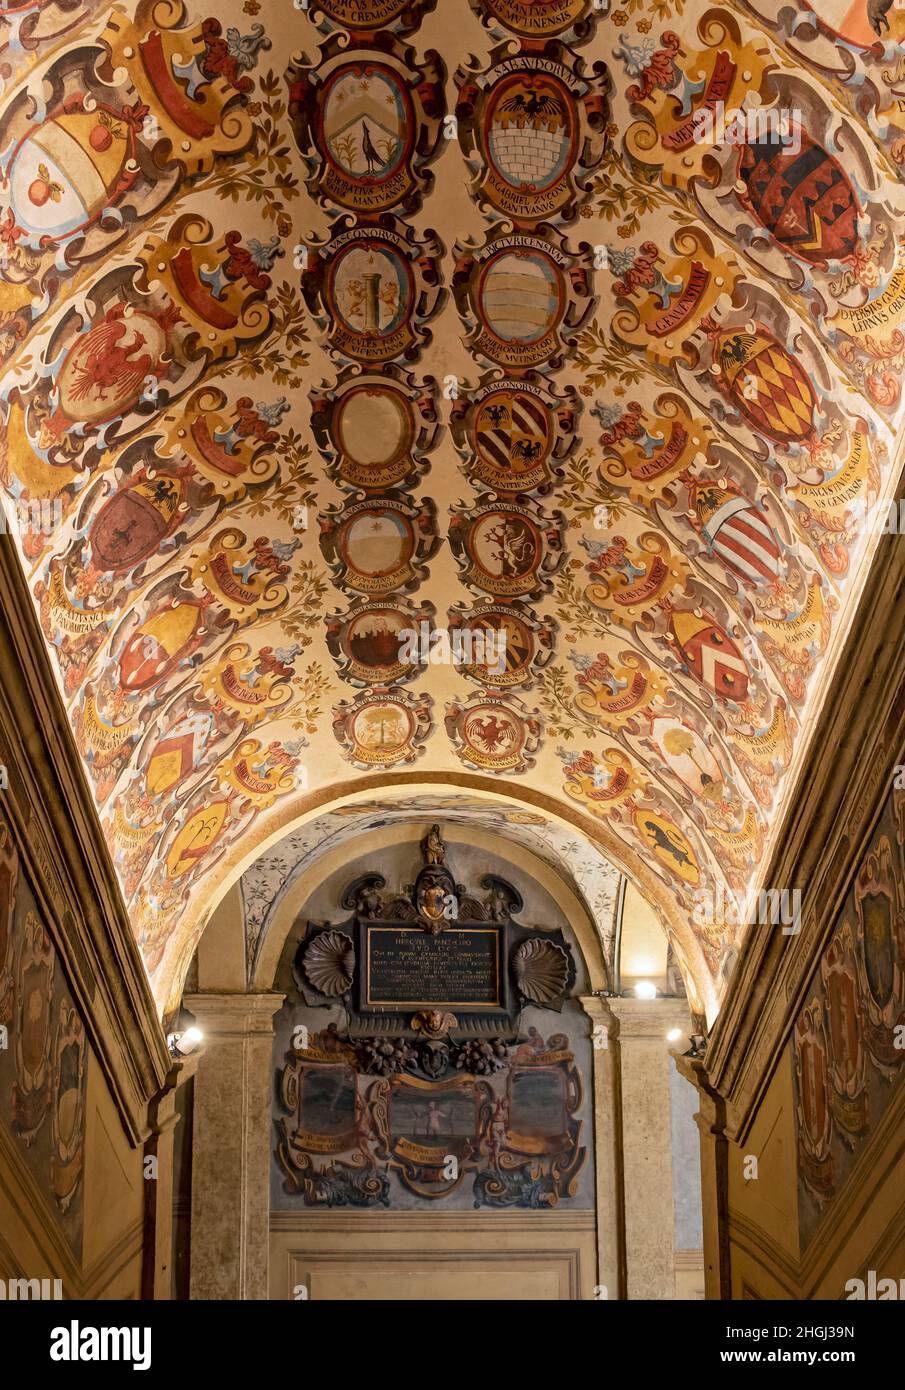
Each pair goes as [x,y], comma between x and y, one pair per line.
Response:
[323,322]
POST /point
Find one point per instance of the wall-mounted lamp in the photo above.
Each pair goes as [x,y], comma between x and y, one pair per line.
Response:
[186,1035]
[674,1035]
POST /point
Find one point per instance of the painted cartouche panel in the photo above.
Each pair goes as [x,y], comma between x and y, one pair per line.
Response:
[43,1064]
[849,1038]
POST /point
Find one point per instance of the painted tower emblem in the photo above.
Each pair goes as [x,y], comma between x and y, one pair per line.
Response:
[374,288]
[371,641]
[524,125]
[367,123]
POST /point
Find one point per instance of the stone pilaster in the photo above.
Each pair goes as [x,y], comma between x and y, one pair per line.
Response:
[645,1067]
[231,1145]
[156,1275]
[711,1120]
[607,1146]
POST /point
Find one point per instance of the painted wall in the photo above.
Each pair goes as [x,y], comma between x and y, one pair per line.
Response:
[71,1186]
[826,1205]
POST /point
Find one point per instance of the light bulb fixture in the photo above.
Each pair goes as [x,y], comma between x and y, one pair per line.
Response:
[644,989]
[674,1035]
[186,1035]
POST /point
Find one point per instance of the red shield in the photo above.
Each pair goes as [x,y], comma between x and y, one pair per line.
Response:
[132,524]
[804,199]
[711,655]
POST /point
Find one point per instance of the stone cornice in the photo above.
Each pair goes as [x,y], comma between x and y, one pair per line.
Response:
[835,803]
[649,1019]
[234,1015]
[52,811]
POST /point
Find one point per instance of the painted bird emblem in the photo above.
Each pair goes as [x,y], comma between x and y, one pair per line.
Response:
[736,348]
[492,733]
[372,157]
[536,106]
[110,362]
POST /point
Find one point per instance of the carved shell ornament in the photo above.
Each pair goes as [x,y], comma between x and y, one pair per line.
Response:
[329,962]
[541,970]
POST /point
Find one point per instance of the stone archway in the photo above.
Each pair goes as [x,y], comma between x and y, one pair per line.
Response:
[618,1049]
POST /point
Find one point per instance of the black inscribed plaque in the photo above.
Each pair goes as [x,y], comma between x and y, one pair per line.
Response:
[407,967]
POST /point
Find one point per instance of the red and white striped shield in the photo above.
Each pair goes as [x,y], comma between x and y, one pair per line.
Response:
[744,541]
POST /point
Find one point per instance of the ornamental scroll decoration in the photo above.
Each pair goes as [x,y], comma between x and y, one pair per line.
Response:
[431,1075]
[432,963]
[514,1132]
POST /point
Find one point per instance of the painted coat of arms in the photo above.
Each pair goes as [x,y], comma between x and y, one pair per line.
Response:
[373,289]
[540,20]
[512,432]
[369,642]
[374,429]
[531,127]
[368,120]
[377,547]
[491,734]
[382,726]
[522,297]
[506,550]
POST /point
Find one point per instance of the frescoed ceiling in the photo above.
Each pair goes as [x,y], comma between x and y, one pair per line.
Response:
[328,320]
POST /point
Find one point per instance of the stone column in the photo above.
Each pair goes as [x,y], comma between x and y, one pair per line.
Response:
[711,1118]
[609,1195]
[231,1141]
[645,1067]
